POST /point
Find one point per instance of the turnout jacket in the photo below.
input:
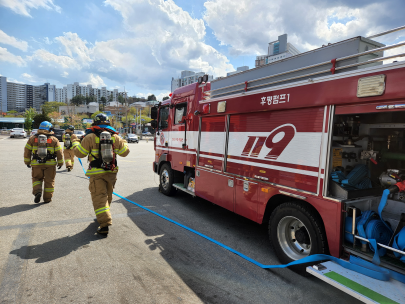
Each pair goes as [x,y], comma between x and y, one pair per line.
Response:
[90,146]
[53,147]
[73,140]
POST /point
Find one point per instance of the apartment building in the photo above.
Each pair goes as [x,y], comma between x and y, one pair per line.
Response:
[186,78]
[277,50]
[3,94]
[16,95]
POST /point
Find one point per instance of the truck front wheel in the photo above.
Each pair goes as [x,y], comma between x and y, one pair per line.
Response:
[166,178]
[296,231]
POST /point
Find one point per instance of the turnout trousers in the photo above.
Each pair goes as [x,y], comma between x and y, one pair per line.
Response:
[69,157]
[101,189]
[43,174]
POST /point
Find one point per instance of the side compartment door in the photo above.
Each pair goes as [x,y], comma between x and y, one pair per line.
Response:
[280,147]
[211,184]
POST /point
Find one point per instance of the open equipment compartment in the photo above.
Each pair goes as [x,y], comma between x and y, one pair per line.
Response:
[376,141]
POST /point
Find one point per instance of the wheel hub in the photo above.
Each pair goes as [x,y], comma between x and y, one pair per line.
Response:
[293,238]
[164,179]
[302,236]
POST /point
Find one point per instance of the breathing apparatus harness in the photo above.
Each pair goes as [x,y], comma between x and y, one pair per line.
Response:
[42,154]
[107,157]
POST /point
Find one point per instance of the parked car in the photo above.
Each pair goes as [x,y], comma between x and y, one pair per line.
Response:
[18,132]
[34,131]
[59,133]
[79,134]
[132,138]
[146,133]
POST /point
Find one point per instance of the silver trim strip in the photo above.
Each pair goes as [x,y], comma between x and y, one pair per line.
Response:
[327,169]
[293,195]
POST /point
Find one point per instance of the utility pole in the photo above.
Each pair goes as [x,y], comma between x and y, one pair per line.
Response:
[126,103]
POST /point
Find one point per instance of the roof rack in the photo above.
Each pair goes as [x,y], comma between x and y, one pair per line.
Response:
[259,82]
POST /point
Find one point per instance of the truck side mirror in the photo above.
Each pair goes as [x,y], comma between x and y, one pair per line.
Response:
[153,124]
[153,112]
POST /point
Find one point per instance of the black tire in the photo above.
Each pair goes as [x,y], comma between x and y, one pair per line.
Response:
[166,178]
[290,243]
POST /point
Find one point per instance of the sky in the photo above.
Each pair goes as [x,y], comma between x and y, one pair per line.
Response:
[140,45]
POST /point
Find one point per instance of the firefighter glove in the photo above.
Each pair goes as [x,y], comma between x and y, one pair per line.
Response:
[29,166]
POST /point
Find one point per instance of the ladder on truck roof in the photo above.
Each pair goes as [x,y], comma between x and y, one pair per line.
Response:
[341,56]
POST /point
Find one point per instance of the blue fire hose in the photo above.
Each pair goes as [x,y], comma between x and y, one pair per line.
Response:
[355,264]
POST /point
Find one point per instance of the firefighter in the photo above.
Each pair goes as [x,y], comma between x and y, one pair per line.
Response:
[41,152]
[102,145]
[70,140]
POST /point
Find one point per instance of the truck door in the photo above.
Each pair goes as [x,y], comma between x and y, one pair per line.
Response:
[211,183]
[177,135]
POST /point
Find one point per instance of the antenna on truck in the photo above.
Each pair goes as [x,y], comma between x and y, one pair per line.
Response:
[387,32]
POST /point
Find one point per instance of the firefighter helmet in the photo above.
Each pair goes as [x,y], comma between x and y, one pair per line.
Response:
[71,128]
[101,119]
[45,125]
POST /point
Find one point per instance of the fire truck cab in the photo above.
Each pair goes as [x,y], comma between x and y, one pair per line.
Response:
[305,146]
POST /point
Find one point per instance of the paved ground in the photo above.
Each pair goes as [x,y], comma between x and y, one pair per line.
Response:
[51,253]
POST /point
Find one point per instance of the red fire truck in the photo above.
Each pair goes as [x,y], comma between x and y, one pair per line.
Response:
[265,143]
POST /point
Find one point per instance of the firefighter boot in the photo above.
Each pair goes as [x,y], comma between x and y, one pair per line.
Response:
[103,230]
[69,169]
[37,198]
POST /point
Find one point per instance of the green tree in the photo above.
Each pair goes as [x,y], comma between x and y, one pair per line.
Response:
[78,100]
[103,101]
[29,118]
[40,118]
[166,97]
[89,99]
[121,99]
[95,113]
[110,98]
[151,97]
[51,106]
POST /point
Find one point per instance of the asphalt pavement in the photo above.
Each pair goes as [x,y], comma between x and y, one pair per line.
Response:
[50,253]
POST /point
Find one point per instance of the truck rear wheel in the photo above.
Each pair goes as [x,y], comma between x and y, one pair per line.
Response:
[296,231]
[166,178]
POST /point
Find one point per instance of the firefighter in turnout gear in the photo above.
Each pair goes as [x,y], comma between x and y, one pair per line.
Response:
[43,153]
[102,145]
[70,140]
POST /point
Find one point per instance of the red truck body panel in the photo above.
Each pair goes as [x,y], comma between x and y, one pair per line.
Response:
[269,141]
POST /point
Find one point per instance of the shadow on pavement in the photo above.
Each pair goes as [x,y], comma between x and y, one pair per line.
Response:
[4,211]
[58,248]
[210,271]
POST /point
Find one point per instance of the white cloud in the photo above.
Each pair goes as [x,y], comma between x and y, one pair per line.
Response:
[23,7]
[247,26]
[14,80]
[96,81]
[161,95]
[147,53]
[10,40]
[396,51]
[29,77]
[6,56]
